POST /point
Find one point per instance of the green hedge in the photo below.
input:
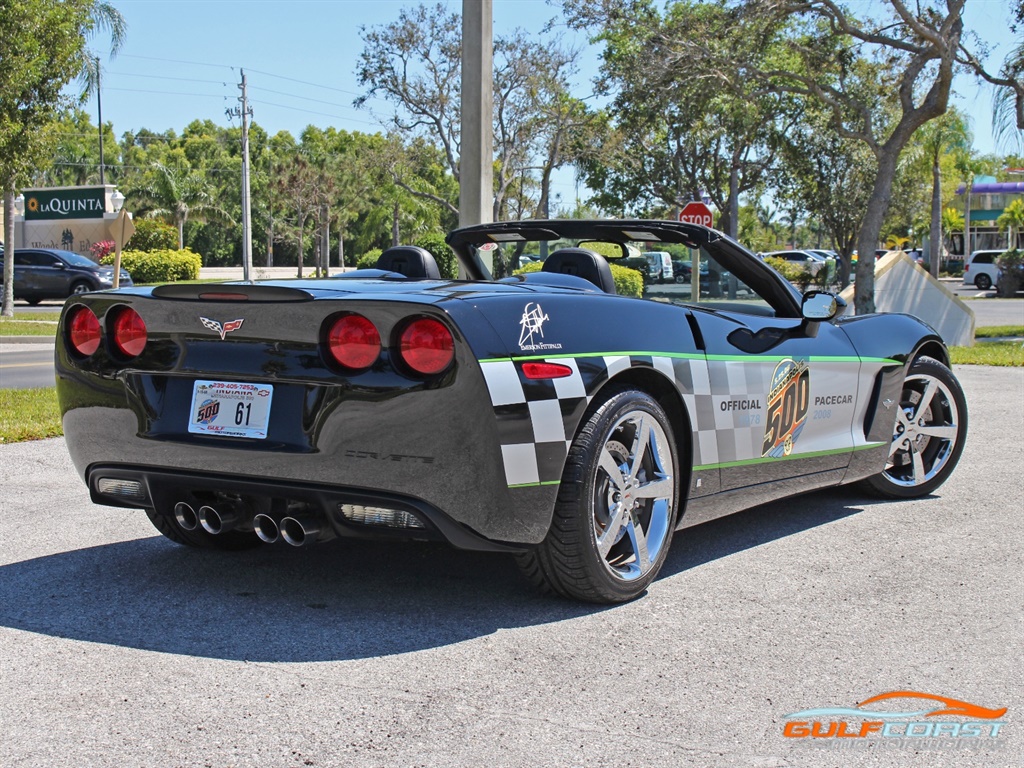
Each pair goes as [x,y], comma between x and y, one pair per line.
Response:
[369,259]
[794,273]
[153,235]
[163,266]
[447,264]
[628,282]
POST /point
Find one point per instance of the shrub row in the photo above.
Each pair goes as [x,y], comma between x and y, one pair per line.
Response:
[447,263]
[163,266]
[628,282]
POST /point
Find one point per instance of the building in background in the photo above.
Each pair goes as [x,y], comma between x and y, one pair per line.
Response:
[986,202]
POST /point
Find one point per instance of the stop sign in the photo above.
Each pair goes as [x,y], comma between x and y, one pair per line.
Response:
[697,213]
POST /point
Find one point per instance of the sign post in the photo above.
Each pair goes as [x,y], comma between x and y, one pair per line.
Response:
[696,213]
[121,229]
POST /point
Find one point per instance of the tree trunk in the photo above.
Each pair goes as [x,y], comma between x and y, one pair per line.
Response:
[270,245]
[7,304]
[325,240]
[734,203]
[181,234]
[302,225]
[935,235]
[871,226]
[395,233]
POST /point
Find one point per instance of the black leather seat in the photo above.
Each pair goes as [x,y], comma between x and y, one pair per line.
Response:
[583,263]
[409,260]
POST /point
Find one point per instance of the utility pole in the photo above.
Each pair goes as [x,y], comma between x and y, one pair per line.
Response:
[476,185]
[245,112]
[99,108]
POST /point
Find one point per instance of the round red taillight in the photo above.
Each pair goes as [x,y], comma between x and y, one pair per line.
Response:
[354,342]
[129,332]
[426,346]
[83,331]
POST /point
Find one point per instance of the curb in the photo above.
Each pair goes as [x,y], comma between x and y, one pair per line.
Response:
[27,340]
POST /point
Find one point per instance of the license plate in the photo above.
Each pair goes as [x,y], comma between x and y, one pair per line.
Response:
[230,409]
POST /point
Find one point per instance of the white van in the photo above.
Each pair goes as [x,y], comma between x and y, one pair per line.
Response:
[980,269]
[659,266]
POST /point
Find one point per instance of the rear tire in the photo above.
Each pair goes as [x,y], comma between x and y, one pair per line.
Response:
[983,282]
[929,434]
[229,541]
[617,505]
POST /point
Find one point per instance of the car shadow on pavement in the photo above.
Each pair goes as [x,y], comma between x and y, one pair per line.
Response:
[334,601]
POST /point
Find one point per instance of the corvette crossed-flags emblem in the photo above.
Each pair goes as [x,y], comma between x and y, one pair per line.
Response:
[223,330]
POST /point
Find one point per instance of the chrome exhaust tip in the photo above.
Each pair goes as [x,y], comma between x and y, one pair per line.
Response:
[266,528]
[219,518]
[298,531]
[186,516]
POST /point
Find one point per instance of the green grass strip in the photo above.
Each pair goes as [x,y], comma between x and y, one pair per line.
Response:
[29,414]
[20,327]
[1001,353]
[998,331]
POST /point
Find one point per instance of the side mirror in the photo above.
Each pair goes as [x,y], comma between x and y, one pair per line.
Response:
[820,306]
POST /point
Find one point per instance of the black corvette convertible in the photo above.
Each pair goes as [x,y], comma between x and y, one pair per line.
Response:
[542,415]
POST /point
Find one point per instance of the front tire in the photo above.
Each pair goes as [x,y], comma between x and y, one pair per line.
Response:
[617,504]
[929,434]
[80,287]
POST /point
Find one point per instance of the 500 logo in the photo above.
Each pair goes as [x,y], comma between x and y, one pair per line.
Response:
[931,722]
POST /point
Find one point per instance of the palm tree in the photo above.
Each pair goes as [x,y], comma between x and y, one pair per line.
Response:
[946,134]
[176,194]
[1008,104]
[1012,219]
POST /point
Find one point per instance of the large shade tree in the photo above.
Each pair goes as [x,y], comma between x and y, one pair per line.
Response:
[42,49]
[880,78]
[676,130]
[414,64]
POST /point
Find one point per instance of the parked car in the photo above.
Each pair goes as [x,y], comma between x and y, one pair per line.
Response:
[981,270]
[49,273]
[659,266]
[812,262]
[541,415]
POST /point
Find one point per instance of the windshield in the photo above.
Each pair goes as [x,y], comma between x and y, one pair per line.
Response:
[712,284]
[76,259]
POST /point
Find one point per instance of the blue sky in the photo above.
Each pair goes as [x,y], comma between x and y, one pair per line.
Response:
[181,61]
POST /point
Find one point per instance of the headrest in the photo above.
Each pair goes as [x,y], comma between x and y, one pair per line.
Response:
[410,261]
[583,263]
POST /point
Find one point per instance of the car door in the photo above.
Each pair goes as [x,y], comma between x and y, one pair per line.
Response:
[26,273]
[50,274]
[783,395]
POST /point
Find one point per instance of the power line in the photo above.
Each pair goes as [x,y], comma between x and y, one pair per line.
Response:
[165,77]
[312,112]
[175,61]
[169,93]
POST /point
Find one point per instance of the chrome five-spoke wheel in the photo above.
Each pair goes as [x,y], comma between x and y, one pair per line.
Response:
[633,496]
[928,436]
[617,504]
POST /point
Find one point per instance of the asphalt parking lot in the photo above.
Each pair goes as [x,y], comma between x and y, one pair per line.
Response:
[118,648]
